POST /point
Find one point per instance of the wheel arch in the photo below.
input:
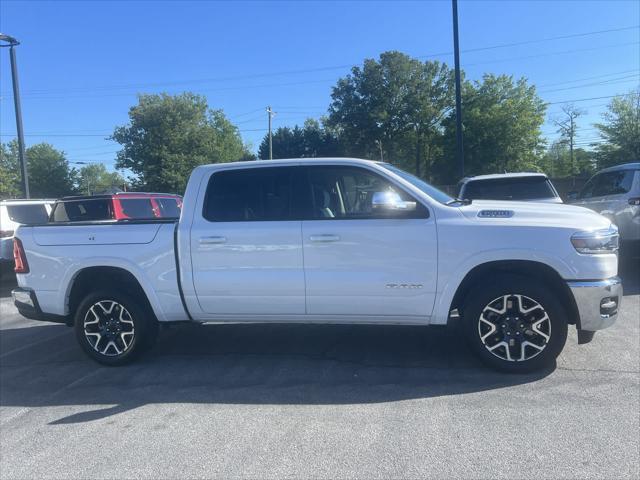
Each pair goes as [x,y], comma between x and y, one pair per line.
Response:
[93,278]
[526,268]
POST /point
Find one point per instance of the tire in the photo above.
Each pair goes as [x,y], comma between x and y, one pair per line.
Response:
[112,328]
[529,320]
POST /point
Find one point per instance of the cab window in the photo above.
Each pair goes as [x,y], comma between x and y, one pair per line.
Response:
[344,192]
[249,195]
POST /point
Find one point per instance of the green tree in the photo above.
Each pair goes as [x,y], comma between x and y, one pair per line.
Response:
[556,161]
[392,108]
[49,172]
[48,169]
[168,136]
[501,124]
[311,140]
[620,131]
[95,178]
[9,170]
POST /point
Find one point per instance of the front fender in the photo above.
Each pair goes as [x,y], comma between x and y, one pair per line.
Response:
[452,275]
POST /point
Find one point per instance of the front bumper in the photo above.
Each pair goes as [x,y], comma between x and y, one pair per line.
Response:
[26,302]
[597,301]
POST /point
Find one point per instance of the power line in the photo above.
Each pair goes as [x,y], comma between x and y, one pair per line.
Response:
[548,39]
[588,78]
[586,99]
[548,54]
[219,89]
[58,135]
[326,68]
[606,82]
[245,113]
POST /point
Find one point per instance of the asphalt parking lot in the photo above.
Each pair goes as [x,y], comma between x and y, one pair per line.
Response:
[316,402]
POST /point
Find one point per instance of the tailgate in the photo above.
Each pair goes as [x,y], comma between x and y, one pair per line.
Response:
[104,234]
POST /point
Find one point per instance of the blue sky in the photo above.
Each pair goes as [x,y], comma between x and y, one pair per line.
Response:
[82,63]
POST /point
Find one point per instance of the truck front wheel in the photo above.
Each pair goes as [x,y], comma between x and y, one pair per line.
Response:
[112,328]
[515,324]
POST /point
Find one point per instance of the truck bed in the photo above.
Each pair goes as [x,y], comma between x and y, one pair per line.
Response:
[70,247]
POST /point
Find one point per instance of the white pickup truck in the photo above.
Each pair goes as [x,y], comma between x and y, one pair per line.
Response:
[328,241]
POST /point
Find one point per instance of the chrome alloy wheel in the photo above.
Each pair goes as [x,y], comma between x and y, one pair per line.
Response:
[109,328]
[514,328]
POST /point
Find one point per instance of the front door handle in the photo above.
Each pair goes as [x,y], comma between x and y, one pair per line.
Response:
[212,240]
[324,238]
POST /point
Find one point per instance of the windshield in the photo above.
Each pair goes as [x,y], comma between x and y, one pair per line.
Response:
[430,190]
[82,210]
[513,188]
[30,213]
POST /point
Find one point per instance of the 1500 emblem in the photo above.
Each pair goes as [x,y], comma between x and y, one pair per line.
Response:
[495,213]
[404,285]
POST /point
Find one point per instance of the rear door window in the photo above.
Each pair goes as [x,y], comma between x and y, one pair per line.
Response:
[168,207]
[249,195]
[516,188]
[138,208]
[28,214]
[82,210]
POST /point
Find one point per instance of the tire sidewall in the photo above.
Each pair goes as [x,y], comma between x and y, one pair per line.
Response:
[484,293]
[143,326]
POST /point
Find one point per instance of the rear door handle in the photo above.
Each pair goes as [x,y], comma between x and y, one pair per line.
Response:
[212,240]
[324,238]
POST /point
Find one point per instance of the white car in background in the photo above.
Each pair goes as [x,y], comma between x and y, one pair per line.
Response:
[18,212]
[533,187]
[615,193]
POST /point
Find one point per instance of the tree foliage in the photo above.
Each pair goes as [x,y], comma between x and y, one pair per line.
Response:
[501,124]
[47,167]
[620,131]
[95,178]
[311,140]
[9,170]
[392,108]
[556,161]
[168,136]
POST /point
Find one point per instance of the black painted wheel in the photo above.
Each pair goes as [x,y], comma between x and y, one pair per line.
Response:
[514,324]
[112,328]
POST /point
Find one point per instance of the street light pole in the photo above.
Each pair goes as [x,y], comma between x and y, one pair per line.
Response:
[12,42]
[270,113]
[456,53]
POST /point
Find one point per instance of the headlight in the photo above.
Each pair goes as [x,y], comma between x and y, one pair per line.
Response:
[598,241]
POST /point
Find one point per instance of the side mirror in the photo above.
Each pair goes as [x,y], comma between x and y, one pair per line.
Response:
[572,195]
[391,201]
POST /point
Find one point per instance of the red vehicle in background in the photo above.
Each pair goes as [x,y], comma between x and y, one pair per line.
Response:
[117,206]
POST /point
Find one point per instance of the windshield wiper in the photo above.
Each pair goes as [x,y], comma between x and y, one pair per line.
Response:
[463,201]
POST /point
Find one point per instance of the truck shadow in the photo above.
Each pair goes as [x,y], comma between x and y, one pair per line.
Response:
[246,364]
[41,365]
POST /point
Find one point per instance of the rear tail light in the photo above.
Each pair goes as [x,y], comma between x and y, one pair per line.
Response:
[6,233]
[19,257]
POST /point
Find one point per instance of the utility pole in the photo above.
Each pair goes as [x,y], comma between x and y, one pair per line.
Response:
[379,143]
[456,52]
[567,129]
[11,43]
[270,113]
[418,145]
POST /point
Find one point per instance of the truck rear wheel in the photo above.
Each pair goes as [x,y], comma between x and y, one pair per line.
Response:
[112,328]
[515,324]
